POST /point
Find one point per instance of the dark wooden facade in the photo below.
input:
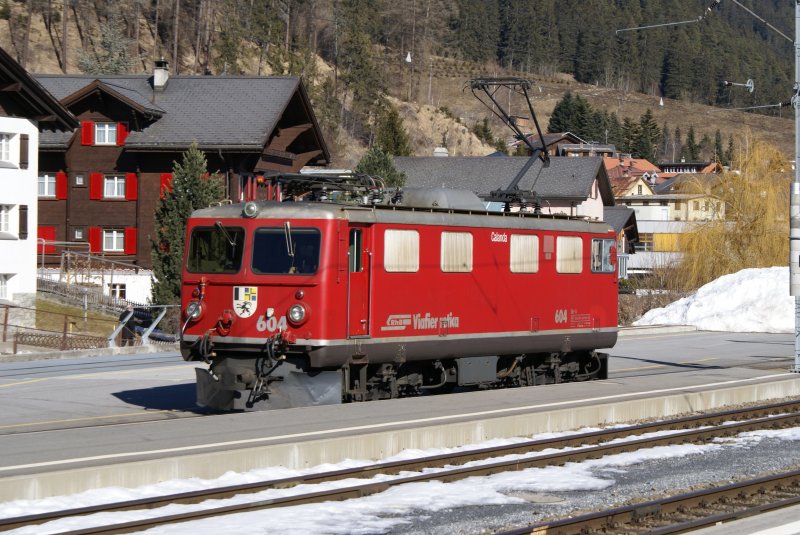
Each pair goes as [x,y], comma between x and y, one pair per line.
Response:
[80,212]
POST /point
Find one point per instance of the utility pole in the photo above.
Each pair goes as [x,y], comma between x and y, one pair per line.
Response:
[794,192]
[794,197]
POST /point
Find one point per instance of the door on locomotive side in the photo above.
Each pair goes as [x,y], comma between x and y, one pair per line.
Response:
[358,281]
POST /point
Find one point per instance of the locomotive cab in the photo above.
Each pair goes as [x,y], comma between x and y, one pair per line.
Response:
[252,288]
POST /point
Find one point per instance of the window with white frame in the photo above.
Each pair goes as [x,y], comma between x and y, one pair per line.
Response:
[524,253]
[78,234]
[47,185]
[114,187]
[4,285]
[569,254]
[114,240]
[117,290]
[5,218]
[456,253]
[5,146]
[401,251]
[105,133]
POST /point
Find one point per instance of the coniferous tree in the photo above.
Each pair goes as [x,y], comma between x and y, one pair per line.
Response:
[192,188]
[228,44]
[580,118]
[646,138]
[666,141]
[705,148]
[391,136]
[614,131]
[596,127]
[677,147]
[729,151]
[719,154]
[561,119]
[359,71]
[629,135]
[692,147]
[377,163]
[112,56]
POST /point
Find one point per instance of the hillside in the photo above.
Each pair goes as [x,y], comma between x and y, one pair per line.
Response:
[428,92]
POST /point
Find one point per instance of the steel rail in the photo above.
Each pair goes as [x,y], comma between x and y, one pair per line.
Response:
[452,474]
[658,511]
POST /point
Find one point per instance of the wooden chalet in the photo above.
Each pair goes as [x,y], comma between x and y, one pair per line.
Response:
[101,182]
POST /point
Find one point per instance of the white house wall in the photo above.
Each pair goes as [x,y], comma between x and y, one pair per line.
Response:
[137,285]
[18,187]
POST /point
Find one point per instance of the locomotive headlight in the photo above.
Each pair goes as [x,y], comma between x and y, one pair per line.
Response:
[194,310]
[250,209]
[297,314]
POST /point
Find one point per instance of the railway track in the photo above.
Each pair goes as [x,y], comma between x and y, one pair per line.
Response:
[446,468]
[683,512]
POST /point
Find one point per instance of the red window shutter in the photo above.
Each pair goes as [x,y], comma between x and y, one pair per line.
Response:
[131,189]
[61,185]
[95,186]
[95,240]
[122,133]
[166,183]
[87,132]
[130,241]
[49,235]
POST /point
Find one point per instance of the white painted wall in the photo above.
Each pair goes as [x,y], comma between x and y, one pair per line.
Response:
[19,187]
[137,285]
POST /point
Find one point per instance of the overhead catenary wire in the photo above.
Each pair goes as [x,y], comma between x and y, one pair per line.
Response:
[705,14]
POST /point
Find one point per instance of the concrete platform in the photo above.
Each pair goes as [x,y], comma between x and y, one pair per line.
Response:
[36,465]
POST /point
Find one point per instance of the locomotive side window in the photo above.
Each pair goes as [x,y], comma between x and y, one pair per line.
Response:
[456,252]
[401,251]
[216,249]
[524,253]
[602,261]
[569,254]
[354,251]
[284,251]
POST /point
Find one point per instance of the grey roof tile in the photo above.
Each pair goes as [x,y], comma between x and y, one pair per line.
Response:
[618,216]
[215,111]
[563,178]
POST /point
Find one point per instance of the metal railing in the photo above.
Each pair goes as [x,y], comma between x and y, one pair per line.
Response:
[622,261]
[18,325]
[149,331]
[86,297]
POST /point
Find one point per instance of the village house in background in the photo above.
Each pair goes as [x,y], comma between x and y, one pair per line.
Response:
[99,185]
[562,144]
[668,199]
[25,108]
[571,186]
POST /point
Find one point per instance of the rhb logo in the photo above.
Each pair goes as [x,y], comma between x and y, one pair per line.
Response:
[397,322]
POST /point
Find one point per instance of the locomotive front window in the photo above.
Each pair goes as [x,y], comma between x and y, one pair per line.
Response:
[216,249]
[285,251]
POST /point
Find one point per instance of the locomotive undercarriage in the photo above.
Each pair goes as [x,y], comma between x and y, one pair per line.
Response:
[242,382]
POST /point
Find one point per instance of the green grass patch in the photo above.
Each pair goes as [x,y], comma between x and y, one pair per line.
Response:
[50,317]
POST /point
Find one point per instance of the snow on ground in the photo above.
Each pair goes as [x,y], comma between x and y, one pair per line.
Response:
[397,506]
[752,300]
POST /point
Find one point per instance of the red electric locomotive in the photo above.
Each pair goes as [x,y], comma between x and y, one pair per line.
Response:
[345,295]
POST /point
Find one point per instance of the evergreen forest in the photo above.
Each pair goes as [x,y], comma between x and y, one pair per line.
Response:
[374,49]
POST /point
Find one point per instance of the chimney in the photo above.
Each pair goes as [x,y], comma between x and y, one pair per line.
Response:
[160,75]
